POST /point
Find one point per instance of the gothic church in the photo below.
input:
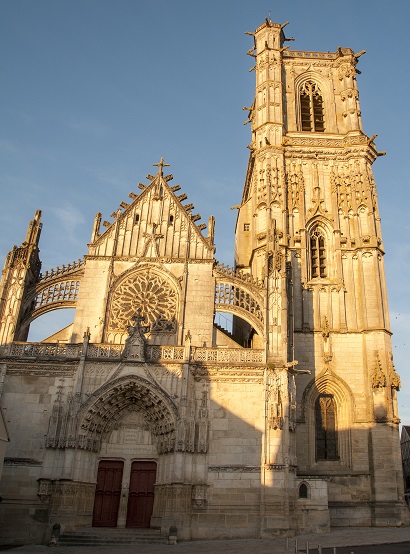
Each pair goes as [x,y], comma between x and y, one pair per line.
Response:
[145,414]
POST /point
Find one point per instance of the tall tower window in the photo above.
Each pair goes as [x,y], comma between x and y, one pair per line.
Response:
[311,108]
[318,254]
[325,423]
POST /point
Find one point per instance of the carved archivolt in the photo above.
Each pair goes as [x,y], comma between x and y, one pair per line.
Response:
[344,401]
[149,292]
[326,384]
[108,405]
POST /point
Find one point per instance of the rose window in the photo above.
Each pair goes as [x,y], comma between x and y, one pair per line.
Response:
[149,293]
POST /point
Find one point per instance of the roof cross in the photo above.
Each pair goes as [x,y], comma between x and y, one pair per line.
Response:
[161,165]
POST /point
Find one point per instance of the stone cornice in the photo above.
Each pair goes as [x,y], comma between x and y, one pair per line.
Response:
[232,374]
[22,462]
[309,56]
[234,469]
[28,367]
[156,261]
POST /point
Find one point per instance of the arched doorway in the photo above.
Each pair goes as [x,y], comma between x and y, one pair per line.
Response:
[129,424]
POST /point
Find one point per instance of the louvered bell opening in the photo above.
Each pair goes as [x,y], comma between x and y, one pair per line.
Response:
[305,112]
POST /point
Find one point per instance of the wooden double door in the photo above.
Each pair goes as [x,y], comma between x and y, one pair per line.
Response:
[140,493]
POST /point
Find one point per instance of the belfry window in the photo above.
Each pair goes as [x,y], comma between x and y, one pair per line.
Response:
[318,255]
[311,108]
[325,428]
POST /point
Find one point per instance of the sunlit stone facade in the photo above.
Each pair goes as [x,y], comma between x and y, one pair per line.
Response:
[144,413]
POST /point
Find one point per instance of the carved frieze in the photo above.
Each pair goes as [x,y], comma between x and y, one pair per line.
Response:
[229,375]
[234,469]
[21,462]
[326,142]
[32,368]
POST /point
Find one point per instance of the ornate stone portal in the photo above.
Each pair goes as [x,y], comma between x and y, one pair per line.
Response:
[144,412]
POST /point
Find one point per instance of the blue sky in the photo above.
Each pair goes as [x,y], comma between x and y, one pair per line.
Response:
[96,91]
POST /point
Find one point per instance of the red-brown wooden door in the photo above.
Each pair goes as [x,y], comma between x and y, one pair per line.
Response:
[141,494]
[108,493]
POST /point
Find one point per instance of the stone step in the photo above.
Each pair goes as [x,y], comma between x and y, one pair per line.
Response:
[97,536]
[114,531]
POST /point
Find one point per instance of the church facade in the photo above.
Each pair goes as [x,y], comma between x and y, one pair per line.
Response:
[144,413]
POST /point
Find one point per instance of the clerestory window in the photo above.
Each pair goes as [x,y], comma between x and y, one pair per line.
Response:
[325,428]
[311,108]
[318,255]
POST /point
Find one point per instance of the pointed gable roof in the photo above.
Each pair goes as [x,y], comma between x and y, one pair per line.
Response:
[156,225]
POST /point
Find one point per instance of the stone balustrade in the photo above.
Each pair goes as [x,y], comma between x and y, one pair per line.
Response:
[110,351]
[227,355]
[40,349]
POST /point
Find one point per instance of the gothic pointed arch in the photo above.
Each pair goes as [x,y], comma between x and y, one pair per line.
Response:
[319,246]
[328,410]
[313,110]
[320,220]
[108,404]
[149,290]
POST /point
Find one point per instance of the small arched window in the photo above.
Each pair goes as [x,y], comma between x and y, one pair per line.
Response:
[325,427]
[311,108]
[303,491]
[318,254]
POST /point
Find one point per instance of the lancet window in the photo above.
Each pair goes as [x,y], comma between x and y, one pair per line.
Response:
[318,254]
[326,428]
[311,108]
[303,491]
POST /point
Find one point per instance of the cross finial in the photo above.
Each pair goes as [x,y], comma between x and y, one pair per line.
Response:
[161,165]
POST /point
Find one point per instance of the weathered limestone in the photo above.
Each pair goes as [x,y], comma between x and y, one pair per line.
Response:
[145,413]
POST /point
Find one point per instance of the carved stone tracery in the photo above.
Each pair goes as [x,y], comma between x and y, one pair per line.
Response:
[149,293]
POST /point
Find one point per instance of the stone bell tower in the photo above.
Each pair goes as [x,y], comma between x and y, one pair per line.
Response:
[309,227]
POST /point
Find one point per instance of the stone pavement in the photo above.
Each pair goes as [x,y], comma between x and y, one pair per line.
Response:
[340,538]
